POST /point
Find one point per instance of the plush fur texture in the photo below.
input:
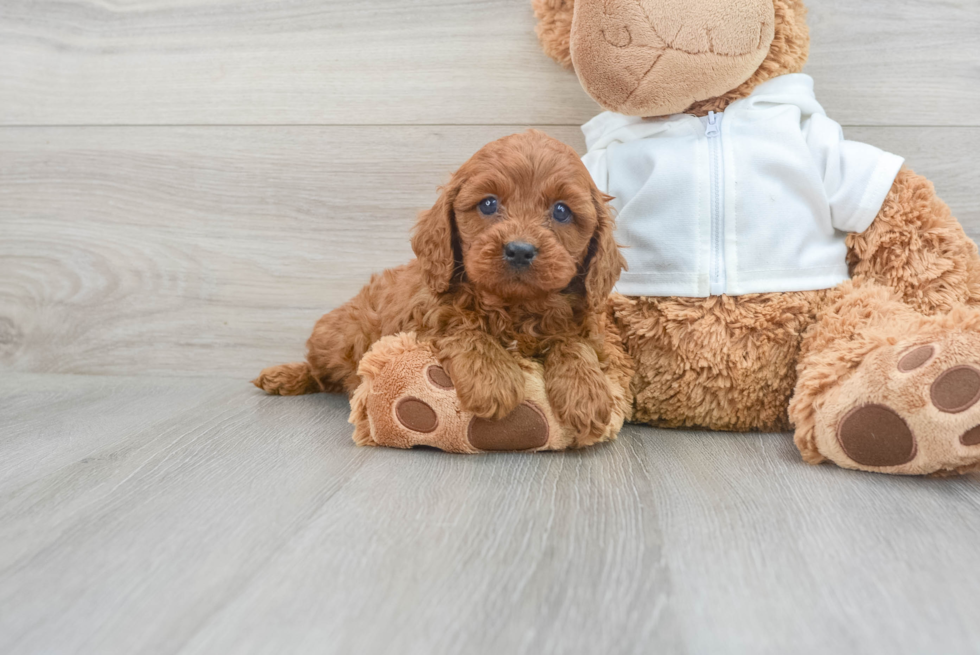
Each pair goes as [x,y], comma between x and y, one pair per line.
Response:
[849,359]
[787,54]
[554,28]
[716,53]
[397,368]
[918,249]
[724,363]
[656,57]
[480,314]
[806,359]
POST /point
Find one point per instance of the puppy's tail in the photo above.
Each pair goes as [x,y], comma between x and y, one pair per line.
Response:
[288,380]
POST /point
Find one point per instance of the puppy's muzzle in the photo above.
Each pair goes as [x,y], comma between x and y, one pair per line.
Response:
[519,254]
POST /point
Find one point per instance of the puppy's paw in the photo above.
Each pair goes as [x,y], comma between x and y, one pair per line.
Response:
[287,380]
[489,390]
[583,404]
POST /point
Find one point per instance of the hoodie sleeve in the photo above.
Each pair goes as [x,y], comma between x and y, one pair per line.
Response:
[857,177]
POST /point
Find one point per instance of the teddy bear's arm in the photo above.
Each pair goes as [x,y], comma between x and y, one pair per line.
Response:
[917,248]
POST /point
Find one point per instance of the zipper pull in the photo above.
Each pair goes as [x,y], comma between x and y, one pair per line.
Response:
[712,129]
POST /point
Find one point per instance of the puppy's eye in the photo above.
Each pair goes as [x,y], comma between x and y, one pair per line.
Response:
[561,213]
[488,206]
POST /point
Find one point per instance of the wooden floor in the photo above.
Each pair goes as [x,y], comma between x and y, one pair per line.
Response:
[199,516]
[185,186]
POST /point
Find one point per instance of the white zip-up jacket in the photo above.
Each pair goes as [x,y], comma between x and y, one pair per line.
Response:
[757,199]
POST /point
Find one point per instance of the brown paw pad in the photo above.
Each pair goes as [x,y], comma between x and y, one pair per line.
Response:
[956,390]
[971,437]
[916,358]
[437,375]
[523,429]
[875,435]
[416,415]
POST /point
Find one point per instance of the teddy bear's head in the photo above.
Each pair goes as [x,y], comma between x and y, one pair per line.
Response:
[661,57]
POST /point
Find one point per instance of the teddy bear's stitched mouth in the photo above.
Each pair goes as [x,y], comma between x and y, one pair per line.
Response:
[622,38]
[671,44]
[643,78]
[659,57]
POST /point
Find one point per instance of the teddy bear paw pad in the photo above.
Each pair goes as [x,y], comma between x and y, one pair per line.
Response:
[908,408]
[525,428]
[916,358]
[437,375]
[416,415]
[956,390]
[971,437]
[875,435]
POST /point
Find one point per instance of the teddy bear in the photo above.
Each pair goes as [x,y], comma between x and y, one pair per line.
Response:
[780,276]
[805,282]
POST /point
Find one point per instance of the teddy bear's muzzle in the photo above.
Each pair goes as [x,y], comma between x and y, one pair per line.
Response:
[658,57]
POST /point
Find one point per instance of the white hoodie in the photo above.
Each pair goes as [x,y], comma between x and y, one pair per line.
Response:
[757,199]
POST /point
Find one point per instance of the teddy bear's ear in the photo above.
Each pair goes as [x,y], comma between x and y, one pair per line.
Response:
[555,28]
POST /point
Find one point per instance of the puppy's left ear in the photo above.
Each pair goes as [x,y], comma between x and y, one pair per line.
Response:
[435,242]
[603,262]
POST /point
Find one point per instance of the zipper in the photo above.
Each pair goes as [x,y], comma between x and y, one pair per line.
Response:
[716,273]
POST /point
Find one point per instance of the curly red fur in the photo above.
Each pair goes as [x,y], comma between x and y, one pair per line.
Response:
[480,312]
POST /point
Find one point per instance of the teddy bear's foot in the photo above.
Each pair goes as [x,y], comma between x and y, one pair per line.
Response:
[910,408]
[407,399]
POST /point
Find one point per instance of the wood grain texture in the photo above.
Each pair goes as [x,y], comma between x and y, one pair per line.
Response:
[876,62]
[214,250]
[289,145]
[199,516]
[207,249]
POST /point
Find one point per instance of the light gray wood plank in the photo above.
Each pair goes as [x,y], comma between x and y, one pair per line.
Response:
[145,249]
[896,62]
[943,155]
[214,250]
[139,495]
[271,62]
[876,62]
[207,518]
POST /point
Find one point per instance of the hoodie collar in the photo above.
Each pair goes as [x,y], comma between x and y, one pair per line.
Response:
[609,127]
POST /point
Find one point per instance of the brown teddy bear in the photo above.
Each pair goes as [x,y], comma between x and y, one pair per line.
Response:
[809,283]
[780,276]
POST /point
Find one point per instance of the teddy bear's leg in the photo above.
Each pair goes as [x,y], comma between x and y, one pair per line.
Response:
[722,363]
[407,399]
[884,388]
[918,249]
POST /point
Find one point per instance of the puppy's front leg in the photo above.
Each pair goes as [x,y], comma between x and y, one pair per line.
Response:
[578,389]
[488,380]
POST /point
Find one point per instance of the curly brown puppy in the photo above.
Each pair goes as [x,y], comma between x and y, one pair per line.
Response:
[516,258]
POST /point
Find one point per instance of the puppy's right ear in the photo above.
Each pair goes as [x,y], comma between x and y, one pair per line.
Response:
[554,28]
[434,241]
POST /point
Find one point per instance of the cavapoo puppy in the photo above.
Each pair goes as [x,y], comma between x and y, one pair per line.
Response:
[516,259]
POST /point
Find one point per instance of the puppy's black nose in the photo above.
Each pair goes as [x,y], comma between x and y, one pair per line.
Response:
[519,254]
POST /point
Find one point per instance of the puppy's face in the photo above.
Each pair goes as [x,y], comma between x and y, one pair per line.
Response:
[524,218]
